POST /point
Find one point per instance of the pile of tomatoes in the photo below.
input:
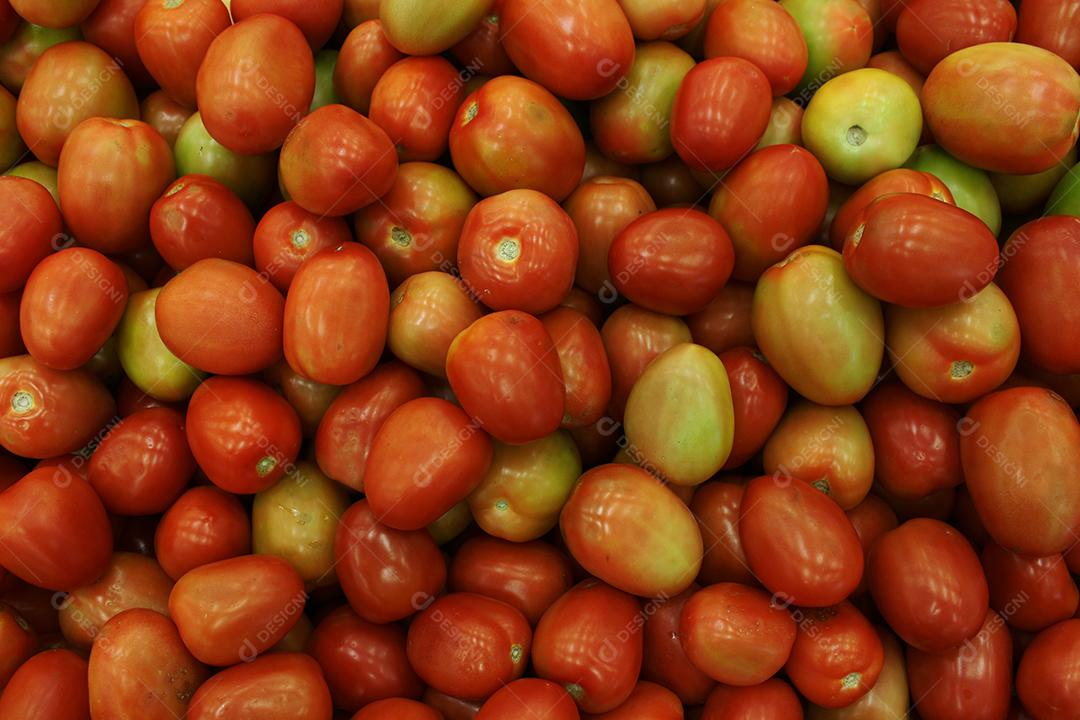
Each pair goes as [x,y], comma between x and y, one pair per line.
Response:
[539,359]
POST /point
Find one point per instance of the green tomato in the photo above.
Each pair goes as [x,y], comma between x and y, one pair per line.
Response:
[145,359]
[40,173]
[839,38]
[452,523]
[1023,193]
[1065,200]
[26,46]
[325,60]
[971,188]
[251,177]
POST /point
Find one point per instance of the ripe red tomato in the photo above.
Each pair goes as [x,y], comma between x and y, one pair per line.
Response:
[763,33]
[1051,25]
[736,634]
[837,656]
[196,218]
[54,14]
[386,574]
[1031,593]
[365,55]
[578,645]
[529,697]
[19,640]
[929,30]
[204,525]
[716,506]
[213,308]
[505,372]
[648,700]
[634,337]
[29,228]
[664,660]
[112,28]
[72,302]
[584,364]
[482,49]
[759,398]
[415,101]
[773,699]
[928,584]
[512,133]
[244,436]
[1046,680]
[397,709]
[280,686]
[51,684]
[316,20]
[287,235]
[725,322]
[172,40]
[425,458]
[900,180]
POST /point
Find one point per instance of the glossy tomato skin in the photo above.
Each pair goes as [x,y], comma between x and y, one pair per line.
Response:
[839,38]
[425,458]
[672,261]
[316,20]
[482,48]
[1052,26]
[410,569]
[197,217]
[236,109]
[287,235]
[736,634]
[665,660]
[763,33]
[275,687]
[927,32]
[172,40]
[428,27]
[365,55]
[512,133]
[164,114]
[19,638]
[204,525]
[716,506]
[30,227]
[54,14]
[197,153]
[837,656]
[243,435]
[577,644]
[758,397]
[928,584]
[773,699]
[48,685]
[899,180]
[361,661]
[1046,679]
[112,28]
[72,302]
[129,581]
[577,50]
[585,369]
[725,322]
[512,350]
[397,709]
[633,337]
[529,697]
[1017,448]
[1031,593]
[648,700]
[415,101]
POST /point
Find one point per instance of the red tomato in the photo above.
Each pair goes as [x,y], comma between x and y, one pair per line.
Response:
[415,101]
[817,560]
[584,365]
[1047,679]
[634,337]
[578,645]
[425,458]
[397,709]
[51,684]
[172,40]
[577,50]
[310,399]
[215,307]
[196,218]
[871,519]
[361,661]
[1031,593]
[771,700]
[57,534]
[648,700]
[763,33]
[1052,25]
[69,83]
[365,55]
[929,30]
[505,372]
[512,133]
[251,105]
[1020,481]
[287,235]
[112,28]
[900,180]
[716,506]
[386,574]
[837,656]
[671,261]
[337,161]
[428,311]
[665,661]
[244,436]
[52,14]
[281,686]
[30,229]
[725,322]
[972,681]
[244,623]
[204,525]
[316,20]
[19,642]
[10,336]
[72,302]
[129,581]
[736,634]
[529,697]
[928,585]
[759,397]
[721,110]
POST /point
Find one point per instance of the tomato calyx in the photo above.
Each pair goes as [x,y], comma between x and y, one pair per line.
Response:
[22,402]
[960,369]
[266,465]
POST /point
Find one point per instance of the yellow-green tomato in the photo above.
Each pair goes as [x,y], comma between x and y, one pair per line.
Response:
[817,328]
[428,27]
[970,187]
[145,359]
[525,487]
[1020,194]
[626,528]
[40,173]
[861,124]
[296,519]
[452,523]
[679,417]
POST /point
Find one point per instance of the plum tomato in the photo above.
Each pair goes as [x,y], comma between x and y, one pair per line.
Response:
[762,32]
[414,102]
[899,180]
[716,505]
[29,229]
[839,37]
[428,27]
[529,697]
[774,697]
[197,217]
[1030,593]
[204,525]
[365,55]
[724,324]
[758,399]
[316,20]
[837,656]
[1051,25]
[634,337]
[279,686]
[399,709]
[927,31]
[584,363]
[51,684]
[287,235]
[172,39]
[1046,678]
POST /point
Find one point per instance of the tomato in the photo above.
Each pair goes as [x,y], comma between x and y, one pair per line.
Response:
[759,398]
[927,32]
[409,570]
[1031,593]
[310,399]
[365,55]
[584,304]
[112,28]
[244,623]
[287,235]
[1052,26]
[26,45]
[428,27]
[397,709]
[152,368]
[172,40]
[51,684]
[716,506]
[839,38]
[955,353]
[1046,680]
[886,700]
[204,525]
[971,188]
[1023,194]
[633,337]
[665,661]
[275,687]
[505,372]
[529,697]
[577,644]
[648,700]
[724,324]
[249,176]
[415,101]
[837,656]
[584,364]
[773,699]
[164,114]
[197,217]
[19,642]
[915,440]
[736,634]
[899,180]
[216,306]
[64,13]
[809,297]
[337,161]
[928,584]
[481,51]
[762,32]
[10,337]
[12,148]
[316,20]
[9,20]
[785,124]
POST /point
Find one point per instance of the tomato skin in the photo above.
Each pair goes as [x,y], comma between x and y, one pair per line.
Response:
[577,50]
[316,20]
[817,561]
[648,700]
[19,639]
[899,180]
[837,656]
[361,661]
[49,685]
[1046,679]
[314,170]
[633,337]
[197,153]
[49,412]
[365,55]
[716,506]
[773,699]
[664,660]
[172,40]
[482,48]
[584,364]
[53,101]
[10,336]
[196,218]
[1050,25]
[54,14]
[839,38]
[484,357]
[243,435]
[763,33]
[410,568]
[512,133]
[736,634]
[529,697]
[275,687]
[151,367]
[956,25]
[288,235]
[25,46]
[706,138]
[397,709]
[758,397]
[724,324]
[112,28]
[216,306]
[577,644]
[31,224]
[204,525]
[928,584]
[1031,593]
[415,101]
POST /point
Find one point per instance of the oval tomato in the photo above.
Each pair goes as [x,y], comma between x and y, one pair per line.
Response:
[665,660]
[899,180]
[584,364]
[758,398]
[172,40]
[196,218]
[837,656]
[415,101]
[1046,681]
[725,322]
[204,525]
[633,337]
[839,38]
[1050,25]
[150,366]
[316,20]
[428,27]
[249,176]
[773,697]
[288,235]
[51,684]
[762,32]
[276,687]
[397,709]
[54,14]
[365,55]
[529,697]
[929,31]
[19,641]
[30,227]
[1031,593]
[716,506]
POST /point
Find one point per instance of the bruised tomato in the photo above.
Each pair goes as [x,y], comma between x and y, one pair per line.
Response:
[196,218]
